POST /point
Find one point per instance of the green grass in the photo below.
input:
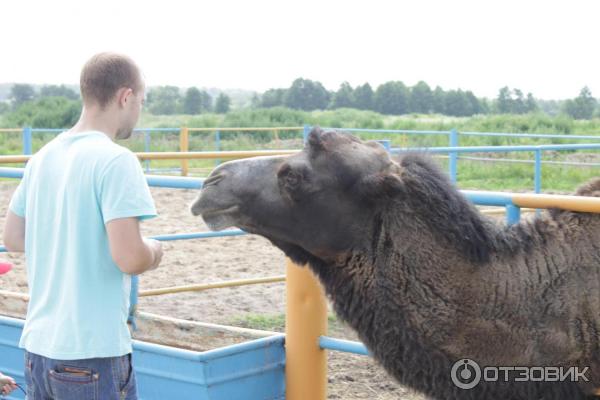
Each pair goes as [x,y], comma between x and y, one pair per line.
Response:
[471,174]
[276,322]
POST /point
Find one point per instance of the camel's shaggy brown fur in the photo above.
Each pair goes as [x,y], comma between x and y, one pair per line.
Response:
[422,276]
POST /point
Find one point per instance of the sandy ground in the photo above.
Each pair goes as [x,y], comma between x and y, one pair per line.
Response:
[217,259]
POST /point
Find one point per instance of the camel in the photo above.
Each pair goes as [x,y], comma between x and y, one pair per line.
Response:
[424,278]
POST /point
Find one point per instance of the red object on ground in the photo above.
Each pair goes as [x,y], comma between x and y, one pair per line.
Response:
[5,267]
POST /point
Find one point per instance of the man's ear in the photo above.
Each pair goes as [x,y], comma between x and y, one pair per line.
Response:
[381,185]
[123,96]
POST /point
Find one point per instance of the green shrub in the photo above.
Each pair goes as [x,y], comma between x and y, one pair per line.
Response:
[47,112]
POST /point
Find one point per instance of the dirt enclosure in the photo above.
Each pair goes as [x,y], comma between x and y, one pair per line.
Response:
[218,259]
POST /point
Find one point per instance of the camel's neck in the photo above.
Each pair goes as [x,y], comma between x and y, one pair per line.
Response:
[400,268]
[405,297]
[373,292]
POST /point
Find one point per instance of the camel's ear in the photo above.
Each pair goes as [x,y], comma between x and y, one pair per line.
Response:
[381,185]
[314,138]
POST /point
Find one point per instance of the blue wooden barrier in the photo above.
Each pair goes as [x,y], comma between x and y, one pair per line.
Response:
[253,370]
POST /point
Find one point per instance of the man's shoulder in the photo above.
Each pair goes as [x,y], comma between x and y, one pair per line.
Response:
[114,150]
[105,151]
[89,151]
[88,145]
[121,154]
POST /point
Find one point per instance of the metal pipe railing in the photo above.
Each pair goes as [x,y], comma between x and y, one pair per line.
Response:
[346,346]
[452,151]
[301,370]
[453,134]
[307,366]
[212,285]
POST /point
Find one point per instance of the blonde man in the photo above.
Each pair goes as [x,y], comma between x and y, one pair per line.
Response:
[76,215]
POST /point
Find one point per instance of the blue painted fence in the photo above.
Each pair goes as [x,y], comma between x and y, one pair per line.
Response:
[453,142]
[253,370]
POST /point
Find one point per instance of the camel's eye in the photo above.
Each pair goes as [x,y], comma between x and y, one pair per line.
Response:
[290,178]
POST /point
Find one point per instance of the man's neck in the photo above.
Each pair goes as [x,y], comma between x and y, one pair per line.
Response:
[96,120]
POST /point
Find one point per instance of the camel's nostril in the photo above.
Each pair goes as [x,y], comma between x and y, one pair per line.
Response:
[195,209]
[213,180]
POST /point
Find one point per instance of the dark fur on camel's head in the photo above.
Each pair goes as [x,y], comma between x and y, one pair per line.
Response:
[340,184]
[421,275]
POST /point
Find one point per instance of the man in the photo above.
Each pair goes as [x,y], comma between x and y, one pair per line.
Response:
[76,215]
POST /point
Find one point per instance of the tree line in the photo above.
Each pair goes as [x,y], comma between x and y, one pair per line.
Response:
[168,100]
[395,98]
[162,100]
[389,98]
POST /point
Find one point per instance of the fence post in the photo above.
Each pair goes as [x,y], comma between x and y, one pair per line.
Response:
[305,133]
[27,142]
[147,149]
[184,146]
[306,321]
[513,214]
[217,146]
[133,301]
[453,168]
[387,144]
[537,176]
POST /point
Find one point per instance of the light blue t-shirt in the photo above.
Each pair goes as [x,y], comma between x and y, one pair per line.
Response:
[79,298]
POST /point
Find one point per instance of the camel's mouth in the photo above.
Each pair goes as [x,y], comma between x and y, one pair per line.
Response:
[219,219]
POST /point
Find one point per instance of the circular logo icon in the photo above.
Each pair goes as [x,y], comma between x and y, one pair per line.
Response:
[466,374]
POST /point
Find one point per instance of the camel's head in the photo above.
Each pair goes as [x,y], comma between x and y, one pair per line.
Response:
[318,203]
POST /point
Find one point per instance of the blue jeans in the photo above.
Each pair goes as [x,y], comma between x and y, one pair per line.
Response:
[110,378]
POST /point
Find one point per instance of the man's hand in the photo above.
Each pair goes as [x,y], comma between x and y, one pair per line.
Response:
[7,384]
[157,252]
[132,253]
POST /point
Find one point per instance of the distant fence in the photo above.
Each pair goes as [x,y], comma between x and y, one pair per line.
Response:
[183,132]
[453,149]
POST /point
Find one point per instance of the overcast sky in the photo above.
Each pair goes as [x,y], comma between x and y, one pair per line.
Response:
[549,48]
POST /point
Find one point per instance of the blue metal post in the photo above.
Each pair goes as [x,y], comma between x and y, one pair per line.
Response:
[218,146]
[537,177]
[453,167]
[386,143]
[27,143]
[133,301]
[513,214]
[305,133]
[147,149]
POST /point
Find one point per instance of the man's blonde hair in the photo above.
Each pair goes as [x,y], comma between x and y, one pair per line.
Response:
[104,74]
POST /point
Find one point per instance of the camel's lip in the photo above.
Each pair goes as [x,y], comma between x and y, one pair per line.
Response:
[218,219]
[217,212]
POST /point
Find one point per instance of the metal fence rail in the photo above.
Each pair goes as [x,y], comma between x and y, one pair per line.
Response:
[512,202]
[452,134]
[452,151]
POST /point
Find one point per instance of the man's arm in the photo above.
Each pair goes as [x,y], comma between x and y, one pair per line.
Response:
[14,232]
[132,253]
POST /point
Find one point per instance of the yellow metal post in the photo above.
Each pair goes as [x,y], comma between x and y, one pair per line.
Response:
[184,146]
[306,320]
